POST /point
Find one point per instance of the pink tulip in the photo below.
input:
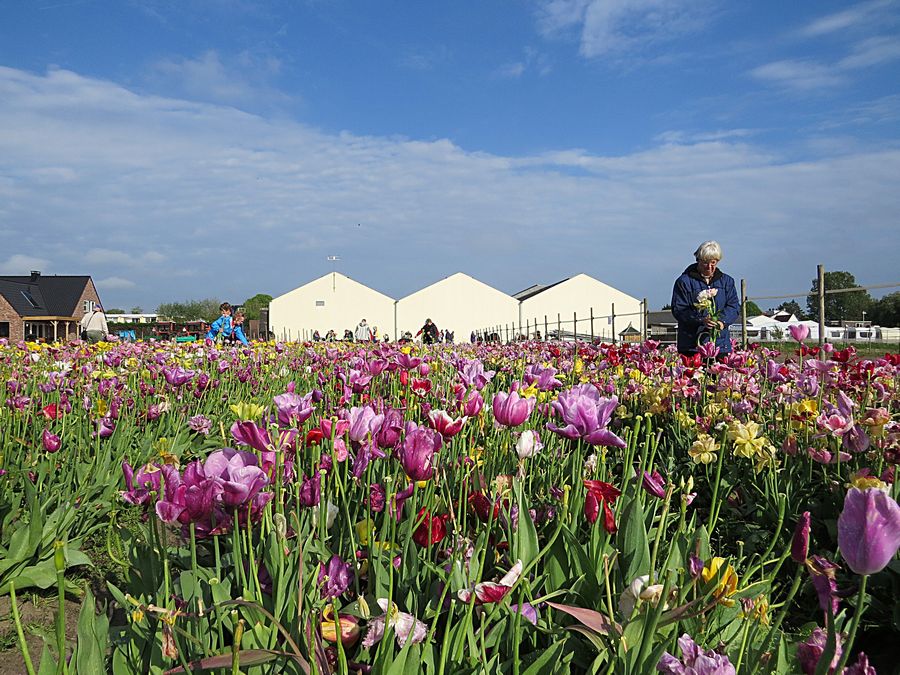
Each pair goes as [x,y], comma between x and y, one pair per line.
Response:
[799,332]
[868,530]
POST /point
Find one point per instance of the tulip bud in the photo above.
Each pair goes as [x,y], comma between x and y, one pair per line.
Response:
[800,543]
[51,441]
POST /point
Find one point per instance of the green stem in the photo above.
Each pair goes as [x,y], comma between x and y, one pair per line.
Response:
[23,646]
[851,636]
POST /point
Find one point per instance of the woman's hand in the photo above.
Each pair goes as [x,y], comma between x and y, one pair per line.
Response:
[710,323]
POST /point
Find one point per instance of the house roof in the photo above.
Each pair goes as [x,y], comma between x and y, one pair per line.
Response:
[531,291]
[43,295]
[661,318]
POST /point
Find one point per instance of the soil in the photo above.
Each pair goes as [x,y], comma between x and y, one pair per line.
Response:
[38,615]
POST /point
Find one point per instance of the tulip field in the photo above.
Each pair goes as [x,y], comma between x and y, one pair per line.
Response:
[526,508]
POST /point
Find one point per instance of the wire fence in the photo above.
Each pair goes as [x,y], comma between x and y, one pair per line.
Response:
[852,331]
[606,325]
[589,326]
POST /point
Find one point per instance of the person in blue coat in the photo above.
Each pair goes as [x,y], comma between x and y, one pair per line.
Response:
[237,331]
[699,321]
[221,328]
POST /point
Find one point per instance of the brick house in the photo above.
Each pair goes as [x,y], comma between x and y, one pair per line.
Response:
[44,307]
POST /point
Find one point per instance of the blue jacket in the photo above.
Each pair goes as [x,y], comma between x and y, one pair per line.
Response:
[690,320]
[238,334]
[221,327]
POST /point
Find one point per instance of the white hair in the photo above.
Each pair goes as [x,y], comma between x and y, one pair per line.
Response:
[708,250]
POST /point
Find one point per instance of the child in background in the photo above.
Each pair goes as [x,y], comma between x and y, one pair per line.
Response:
[237,332]
[221,328]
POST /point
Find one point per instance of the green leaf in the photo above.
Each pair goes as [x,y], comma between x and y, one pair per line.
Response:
[525,537]
[633,542]
[548,661]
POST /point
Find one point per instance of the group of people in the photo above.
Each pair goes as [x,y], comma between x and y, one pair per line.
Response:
[228,328]
[704,302]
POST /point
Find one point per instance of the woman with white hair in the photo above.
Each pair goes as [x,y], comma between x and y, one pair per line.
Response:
[705,302]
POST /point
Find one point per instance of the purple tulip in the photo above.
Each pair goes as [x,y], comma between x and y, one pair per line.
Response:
[472,374]
[364,422]
[543,378]
[528,611]
[868,530]
[51,441]
[471,404]
[416,453]
[238,473]
[335,578]
[823,572]
[861,667]
[654,484]
[586,415]
[106,426]
[407,362]
[800,542]
[144,485]
[310,491]
[510,409]
[377,497]
[391,429]
[810,651]
[695,566]
[293,409]
[201,424]
[694,660]
[249,433]
[178,376]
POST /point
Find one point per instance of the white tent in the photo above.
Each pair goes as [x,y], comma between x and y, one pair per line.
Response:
[333,301]
[579,297]
[457,303]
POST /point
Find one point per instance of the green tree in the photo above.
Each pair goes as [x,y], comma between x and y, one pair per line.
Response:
[839,306]
[190,310]
[753,309]
[886,310]
[256,303]
[115,310]
[137,310]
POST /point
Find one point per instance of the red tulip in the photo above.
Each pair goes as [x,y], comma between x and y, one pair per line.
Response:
[431,530]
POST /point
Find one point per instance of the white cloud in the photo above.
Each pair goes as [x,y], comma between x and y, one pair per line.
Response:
[862,14]
[799,75]
[238,80]
[172,200]
[872,52]
[861,25]
[19,264]
[618,27]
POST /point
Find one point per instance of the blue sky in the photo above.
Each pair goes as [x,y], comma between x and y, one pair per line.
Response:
[180,149]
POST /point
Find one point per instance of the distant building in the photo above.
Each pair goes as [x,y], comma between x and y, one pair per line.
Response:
[44,307]
[579,298]
[457,303]
[331,302]
[132,318]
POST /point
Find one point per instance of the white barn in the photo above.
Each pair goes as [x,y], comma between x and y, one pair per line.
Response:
[333,301]
[457,303]
[577,297]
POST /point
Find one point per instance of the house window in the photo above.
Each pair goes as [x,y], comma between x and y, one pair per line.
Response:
[88,306]
[4,329]
[30,298]
[320,303]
